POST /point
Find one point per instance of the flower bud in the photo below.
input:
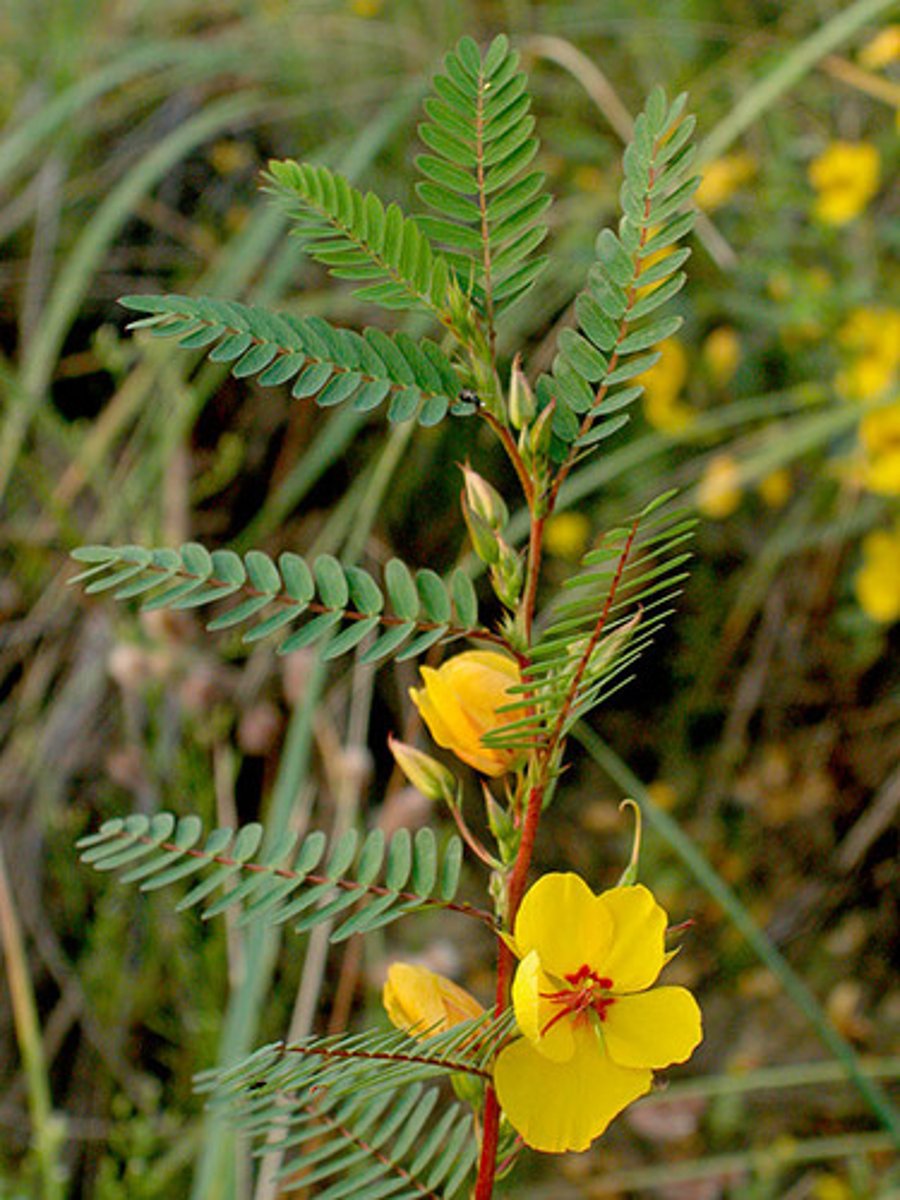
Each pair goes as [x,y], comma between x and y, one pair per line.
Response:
[502,827]
[422,1002]
[484,539]
[541,432]
[425,773]
[484,500]
[459,703]
[507,574]
[521,398]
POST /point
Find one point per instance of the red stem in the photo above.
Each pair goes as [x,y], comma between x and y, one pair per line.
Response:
[487,1165]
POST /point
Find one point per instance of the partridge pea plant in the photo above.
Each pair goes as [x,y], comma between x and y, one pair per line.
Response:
[576,1027]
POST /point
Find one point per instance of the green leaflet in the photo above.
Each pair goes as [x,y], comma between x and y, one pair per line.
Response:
[374,881]
[306,601]
[360,239]
[488,208]
[634,275]
[332,365]
[598,627]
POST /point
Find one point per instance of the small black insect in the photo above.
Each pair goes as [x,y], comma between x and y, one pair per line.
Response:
[467,396]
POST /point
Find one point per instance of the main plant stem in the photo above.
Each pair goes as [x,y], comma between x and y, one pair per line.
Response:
[487,1164]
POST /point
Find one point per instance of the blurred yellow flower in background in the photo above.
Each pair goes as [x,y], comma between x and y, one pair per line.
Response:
[723,177]
[879,433]
[722,353]
[719,489]
[882,49]
[419,1000]
[566,535]
[594,1027]
[877,582]
[870,339]
[776,487]
[366,8]
[459,703]
[845,176]
[662,385]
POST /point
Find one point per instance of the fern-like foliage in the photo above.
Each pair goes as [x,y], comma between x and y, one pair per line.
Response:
[607,615]
[294,880]
[352,1110]
[323,595]
[331,364]
[635,274]
[477,178]
[356,237]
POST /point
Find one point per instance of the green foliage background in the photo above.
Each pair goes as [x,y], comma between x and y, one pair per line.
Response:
[766,723]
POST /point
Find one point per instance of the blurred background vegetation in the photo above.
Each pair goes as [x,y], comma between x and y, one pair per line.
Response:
[764,729]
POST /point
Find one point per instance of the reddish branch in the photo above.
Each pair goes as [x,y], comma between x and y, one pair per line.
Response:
[314,606]
[344,885]
[449,1064]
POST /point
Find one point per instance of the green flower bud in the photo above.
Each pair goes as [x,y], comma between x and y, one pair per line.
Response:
[484,500]
[521,398]
[426,774]
[484,539]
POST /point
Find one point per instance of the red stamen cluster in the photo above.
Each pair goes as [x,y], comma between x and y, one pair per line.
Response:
[589,992]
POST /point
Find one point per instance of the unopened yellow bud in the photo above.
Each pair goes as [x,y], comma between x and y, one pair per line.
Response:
[426,774]
[459,703]
[422,1002]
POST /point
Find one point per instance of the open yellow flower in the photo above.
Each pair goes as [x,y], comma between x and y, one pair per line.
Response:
[879,433]
[593,1033]
[459,703]
[846,176]
[719,487]
[722,178]
[663,384]
[877,582]
[421,1001]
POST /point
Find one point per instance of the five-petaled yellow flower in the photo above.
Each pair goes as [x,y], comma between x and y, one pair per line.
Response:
[459,703]
[592,1032]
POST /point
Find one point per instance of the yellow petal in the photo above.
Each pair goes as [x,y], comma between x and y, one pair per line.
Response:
[564,1106]
[637,953]
[534,1012]
[566,923]
[458,703]
[653,1029]
[411,998]
[421,1001]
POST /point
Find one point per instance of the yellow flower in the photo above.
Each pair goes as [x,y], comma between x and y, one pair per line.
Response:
[592,1032]
[723,177]
[776,487]
[459,703]
[870,339]
[367,8]
[879,433]
[846,176]
[882,49]
[662,385]
[419,1000]
[566,535]
[719,489]
[722,353]
[878,579]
